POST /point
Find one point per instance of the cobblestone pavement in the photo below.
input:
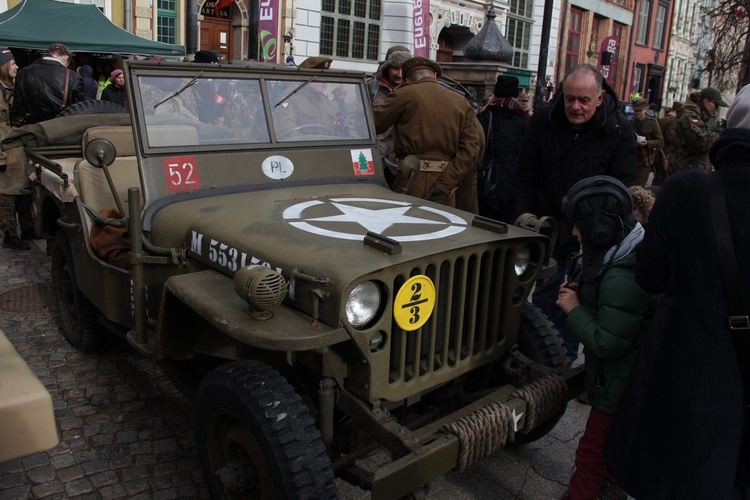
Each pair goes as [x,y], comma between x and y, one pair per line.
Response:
[126,432]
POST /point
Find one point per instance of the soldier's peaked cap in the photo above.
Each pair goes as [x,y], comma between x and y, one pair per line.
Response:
[419,62]
[316,63]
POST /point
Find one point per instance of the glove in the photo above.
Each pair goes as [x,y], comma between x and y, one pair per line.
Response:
[435,194]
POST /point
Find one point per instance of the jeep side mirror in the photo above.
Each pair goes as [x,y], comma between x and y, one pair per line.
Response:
[100,153]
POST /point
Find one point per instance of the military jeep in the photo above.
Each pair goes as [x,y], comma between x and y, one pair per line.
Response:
[219,223]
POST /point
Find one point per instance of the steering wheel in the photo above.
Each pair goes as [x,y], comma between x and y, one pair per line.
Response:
[309,126]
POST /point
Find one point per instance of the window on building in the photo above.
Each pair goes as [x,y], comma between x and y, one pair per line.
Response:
[518,31]
[660,25]
[643,22]
[166,21]
[573,47]
[350,29]
[638,78]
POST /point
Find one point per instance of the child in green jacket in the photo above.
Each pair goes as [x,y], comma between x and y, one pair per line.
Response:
[606,310]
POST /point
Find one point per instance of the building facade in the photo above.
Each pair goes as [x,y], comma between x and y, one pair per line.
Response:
[598,32]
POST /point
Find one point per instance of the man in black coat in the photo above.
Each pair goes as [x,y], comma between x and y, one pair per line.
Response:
[580,133]
[46,87]
[681,430]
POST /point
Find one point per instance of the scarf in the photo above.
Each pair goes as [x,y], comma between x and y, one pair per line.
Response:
[508,103]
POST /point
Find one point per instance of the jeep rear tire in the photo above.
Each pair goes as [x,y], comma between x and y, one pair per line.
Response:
[256,438]
[92,107]
[78,316]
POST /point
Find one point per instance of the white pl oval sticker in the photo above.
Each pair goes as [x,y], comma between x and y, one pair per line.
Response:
[278,167]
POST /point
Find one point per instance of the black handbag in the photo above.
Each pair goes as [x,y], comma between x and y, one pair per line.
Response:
[487,172]
[739,322]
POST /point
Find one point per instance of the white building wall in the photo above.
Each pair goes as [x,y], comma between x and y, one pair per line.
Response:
[536,38]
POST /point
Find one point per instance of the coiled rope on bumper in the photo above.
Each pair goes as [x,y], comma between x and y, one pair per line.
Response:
[481,433]
[490,428]
[545,397]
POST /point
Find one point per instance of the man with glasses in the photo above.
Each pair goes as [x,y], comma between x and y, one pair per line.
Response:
[697,129]
[46,87]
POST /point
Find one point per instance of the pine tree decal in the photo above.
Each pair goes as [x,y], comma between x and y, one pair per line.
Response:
[363,166]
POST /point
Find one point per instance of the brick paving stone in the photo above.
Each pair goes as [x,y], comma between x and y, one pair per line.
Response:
[112,492]
[47,489]
[63,460]
[106,478]
[35,461]
[136,486]
[71,473]
[95,466]
[42,474]
[11,480]
[15,493]
[78,487]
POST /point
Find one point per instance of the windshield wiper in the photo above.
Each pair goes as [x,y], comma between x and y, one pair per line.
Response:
[290,94]
[180,90]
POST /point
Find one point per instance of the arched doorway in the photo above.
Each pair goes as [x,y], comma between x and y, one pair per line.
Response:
[445,47]
[216,29]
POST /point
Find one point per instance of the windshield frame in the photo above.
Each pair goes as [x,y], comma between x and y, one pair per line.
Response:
[264,74]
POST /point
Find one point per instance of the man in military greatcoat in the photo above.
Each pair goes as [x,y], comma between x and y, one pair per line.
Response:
[435,124]
[648,139]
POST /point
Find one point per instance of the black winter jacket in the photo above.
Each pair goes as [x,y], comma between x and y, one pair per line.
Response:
[504,147]
[681,427]
[39,91]
[555,155]
[115,94]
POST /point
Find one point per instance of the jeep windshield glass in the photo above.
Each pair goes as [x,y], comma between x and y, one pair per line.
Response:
[313,110]
[206,110]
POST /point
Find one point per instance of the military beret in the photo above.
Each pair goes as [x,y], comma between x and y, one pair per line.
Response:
[676,106]
[316,63]
[419,62]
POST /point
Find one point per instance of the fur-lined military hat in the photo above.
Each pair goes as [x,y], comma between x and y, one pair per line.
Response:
[396,59]
[419,62]
[316,63]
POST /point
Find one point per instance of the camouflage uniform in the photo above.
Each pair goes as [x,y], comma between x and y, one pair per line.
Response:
[696,132]
[649,128]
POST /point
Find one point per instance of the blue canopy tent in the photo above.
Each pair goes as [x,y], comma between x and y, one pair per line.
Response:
[34,24]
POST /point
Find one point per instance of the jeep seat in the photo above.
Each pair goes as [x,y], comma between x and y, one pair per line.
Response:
[91,182]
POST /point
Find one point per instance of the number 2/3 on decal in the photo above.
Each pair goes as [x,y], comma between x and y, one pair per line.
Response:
[182,173]
[414,303]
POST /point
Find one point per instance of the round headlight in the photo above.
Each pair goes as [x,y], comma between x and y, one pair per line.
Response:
[363,303]
[523,257]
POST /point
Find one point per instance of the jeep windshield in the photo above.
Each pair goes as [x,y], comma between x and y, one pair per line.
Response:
[230,107]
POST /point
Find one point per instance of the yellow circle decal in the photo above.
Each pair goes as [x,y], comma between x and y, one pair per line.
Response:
[414,303]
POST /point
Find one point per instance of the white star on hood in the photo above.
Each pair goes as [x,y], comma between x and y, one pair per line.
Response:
[377,220]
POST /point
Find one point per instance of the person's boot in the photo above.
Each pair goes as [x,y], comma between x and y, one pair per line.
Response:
[29,234]
[15,242]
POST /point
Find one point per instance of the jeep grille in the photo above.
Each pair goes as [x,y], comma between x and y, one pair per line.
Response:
[465,329]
